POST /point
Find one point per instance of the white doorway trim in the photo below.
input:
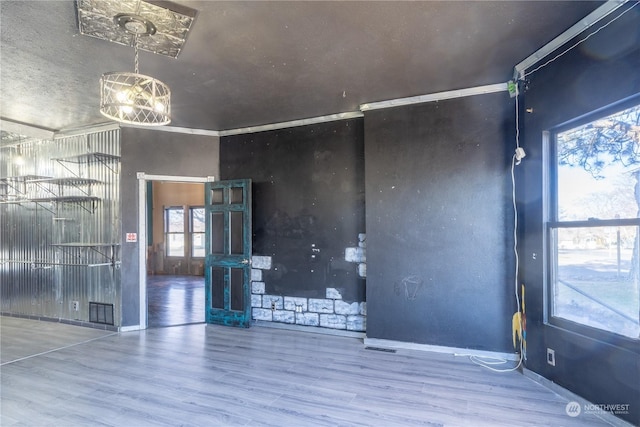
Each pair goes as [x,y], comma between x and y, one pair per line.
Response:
[142,230]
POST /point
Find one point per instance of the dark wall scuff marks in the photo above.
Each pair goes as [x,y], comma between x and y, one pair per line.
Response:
[440,269]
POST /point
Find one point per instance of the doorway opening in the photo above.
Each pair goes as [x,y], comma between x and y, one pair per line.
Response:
[172,252]
[175,253]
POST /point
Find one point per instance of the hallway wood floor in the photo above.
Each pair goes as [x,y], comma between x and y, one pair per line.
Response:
[174,300]
[206,375]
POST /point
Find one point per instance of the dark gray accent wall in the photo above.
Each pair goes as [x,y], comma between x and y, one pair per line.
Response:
[308,203]
[602,71]
[440,269]
[157,153]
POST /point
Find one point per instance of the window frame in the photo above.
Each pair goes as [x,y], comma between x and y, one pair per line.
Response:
[192,233]
[552,223]
[167,233]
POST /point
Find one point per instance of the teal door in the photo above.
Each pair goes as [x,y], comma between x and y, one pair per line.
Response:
[228,253]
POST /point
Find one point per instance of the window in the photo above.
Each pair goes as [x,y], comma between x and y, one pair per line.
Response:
[196,228]
[180,240]
[594,223]
[174,230]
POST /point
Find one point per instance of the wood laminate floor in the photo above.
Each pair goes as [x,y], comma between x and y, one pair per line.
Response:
[174,300]
[206,375]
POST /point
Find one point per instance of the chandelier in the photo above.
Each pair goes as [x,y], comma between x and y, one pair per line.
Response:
[135,98]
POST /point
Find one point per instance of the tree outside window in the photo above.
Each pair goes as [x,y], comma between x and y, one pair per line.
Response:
[594,223]
[197,228]
[174,231]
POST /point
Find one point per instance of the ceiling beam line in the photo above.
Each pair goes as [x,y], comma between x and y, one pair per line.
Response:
[585,23]
[438,96]
[25,129]
[292,123]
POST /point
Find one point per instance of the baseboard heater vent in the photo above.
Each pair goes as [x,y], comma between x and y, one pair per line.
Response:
[101,313]
[387,350]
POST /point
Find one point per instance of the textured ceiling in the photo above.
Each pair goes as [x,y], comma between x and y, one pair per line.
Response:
[253,63]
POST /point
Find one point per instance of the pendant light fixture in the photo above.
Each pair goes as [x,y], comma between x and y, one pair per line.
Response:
[18,160]
[135,98]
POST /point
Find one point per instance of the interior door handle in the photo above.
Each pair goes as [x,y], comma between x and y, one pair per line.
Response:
[246,261]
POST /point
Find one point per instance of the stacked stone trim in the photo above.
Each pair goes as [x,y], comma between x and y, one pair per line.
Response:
[330,312]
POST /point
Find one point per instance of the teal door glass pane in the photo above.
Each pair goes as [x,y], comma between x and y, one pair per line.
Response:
[217,196]
[216,234]
[217,287]
[237,294]
[236,195]
[237,232]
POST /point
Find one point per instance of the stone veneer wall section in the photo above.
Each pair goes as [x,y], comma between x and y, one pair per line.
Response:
[329,312]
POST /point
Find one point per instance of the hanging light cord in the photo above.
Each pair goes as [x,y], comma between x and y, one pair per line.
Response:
[135,50]
[135,41]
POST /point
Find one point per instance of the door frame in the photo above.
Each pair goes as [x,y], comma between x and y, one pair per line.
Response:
[143,178]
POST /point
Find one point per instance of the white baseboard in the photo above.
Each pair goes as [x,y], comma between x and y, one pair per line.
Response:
[311,329]
[129,328]
[375,342]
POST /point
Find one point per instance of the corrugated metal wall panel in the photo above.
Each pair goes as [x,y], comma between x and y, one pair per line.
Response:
[60,226]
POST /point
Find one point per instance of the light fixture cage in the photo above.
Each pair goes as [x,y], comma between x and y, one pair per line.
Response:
[135,99]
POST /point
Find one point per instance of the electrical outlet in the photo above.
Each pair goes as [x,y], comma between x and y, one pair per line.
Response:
[273,305]
[298,309]
[551,357]
[75,305]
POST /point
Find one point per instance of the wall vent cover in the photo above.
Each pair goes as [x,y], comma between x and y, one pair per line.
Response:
[386,350]
[101,313]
